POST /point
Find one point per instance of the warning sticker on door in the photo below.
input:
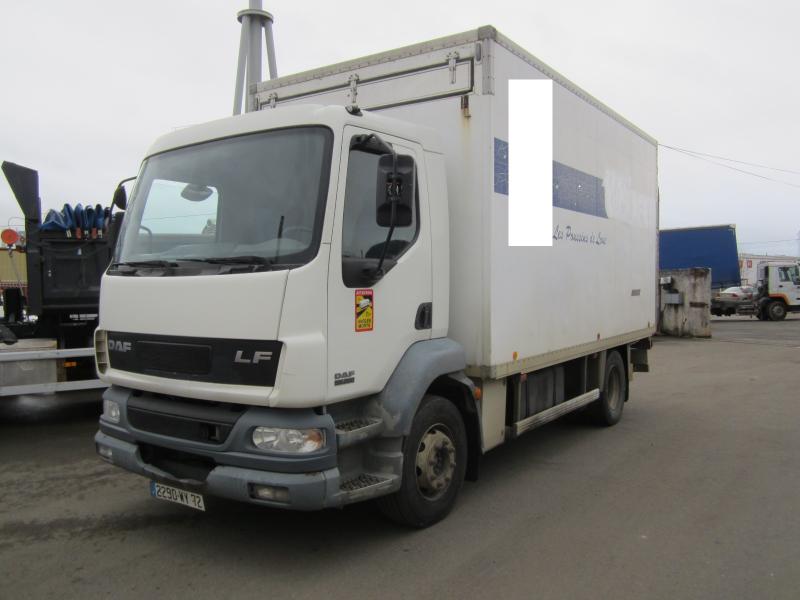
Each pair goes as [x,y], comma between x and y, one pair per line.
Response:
[365,310]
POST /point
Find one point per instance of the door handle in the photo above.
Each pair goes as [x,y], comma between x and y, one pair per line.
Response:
[424,318]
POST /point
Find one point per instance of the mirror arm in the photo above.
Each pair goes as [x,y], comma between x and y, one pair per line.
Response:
[120,186]
[379,269]
[126,180]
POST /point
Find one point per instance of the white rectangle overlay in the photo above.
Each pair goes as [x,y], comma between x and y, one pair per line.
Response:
[530,162]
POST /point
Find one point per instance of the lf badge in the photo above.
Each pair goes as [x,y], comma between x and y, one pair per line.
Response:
[365,310]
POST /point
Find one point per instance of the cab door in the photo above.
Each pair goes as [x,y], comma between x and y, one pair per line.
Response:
[788,284]
[372,324]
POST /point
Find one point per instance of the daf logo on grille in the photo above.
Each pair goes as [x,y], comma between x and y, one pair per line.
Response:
[258,356]
[118,346]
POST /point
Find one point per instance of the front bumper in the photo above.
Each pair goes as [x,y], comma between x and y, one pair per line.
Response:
[307,491]
[163,446]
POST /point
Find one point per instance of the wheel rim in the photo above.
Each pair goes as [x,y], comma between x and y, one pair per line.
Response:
[436,462]
[613,391]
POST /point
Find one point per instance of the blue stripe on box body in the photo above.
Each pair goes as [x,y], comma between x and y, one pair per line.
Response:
[578,191]
[572,189]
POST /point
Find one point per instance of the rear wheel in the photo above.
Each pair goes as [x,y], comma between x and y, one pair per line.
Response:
[776,311]
[608,409]
[434,464]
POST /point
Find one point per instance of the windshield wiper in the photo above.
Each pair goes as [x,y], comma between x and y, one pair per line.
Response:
[250,262]
[132,267]
[146,263]
[234,260]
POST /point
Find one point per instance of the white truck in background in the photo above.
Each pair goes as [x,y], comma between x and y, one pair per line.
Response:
[315,303]
[778,290]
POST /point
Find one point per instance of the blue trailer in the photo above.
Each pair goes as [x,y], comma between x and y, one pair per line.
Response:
[713,246]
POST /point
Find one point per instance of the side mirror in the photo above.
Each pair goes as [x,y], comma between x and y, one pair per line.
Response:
[120,199]
[395,190]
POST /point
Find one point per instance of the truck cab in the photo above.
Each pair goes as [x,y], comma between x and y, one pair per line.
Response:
[778,290]
[256,270]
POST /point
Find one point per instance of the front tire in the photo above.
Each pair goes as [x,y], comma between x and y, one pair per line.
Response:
[434,464]
[608,409]
[776,311]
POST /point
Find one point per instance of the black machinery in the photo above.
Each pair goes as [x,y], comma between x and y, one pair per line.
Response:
[63,293]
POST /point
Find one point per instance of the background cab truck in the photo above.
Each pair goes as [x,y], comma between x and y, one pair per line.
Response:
[778,290]
[48,334]
[462,351]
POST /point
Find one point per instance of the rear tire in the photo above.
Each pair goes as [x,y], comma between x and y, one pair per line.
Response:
[434,464]
[608,409]
[776,311]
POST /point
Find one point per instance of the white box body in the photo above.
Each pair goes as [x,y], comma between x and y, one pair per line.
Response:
[516,309]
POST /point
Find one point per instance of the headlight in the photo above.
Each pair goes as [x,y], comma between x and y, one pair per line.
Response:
[111,411]
[300,441]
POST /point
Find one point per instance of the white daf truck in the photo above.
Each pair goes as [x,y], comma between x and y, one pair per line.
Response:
[315,303]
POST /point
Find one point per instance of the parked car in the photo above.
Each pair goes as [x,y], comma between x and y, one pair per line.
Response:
[729,300]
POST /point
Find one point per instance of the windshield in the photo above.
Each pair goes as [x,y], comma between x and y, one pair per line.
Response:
[256,198]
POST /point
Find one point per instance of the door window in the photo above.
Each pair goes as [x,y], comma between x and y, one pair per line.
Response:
[789,274]
[363,240]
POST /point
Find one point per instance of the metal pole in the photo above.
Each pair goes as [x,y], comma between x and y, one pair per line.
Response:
[248,72]
[254,51]
[238,92]
[273,67]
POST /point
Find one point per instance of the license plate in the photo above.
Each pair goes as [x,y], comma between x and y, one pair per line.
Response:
[176,495]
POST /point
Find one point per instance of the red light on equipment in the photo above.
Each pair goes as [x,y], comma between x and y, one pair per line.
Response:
[9,237]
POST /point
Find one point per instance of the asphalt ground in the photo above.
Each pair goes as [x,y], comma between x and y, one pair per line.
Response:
[695,494]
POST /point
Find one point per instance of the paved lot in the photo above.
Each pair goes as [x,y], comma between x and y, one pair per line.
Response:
[694,494]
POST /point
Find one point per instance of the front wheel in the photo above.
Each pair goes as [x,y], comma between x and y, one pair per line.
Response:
[434,464]
[776,311]
[608,409]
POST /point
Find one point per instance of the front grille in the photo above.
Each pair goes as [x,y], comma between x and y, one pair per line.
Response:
[185,359]
[212,360]
[197,421]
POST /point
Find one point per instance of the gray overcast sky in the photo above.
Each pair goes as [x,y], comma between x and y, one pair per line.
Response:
[87,85]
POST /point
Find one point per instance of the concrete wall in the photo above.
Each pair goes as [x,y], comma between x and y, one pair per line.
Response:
[686,302]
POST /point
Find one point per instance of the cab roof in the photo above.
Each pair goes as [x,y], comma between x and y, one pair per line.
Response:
[335,117]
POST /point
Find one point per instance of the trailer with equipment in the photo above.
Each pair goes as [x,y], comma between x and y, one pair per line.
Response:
[47,326]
